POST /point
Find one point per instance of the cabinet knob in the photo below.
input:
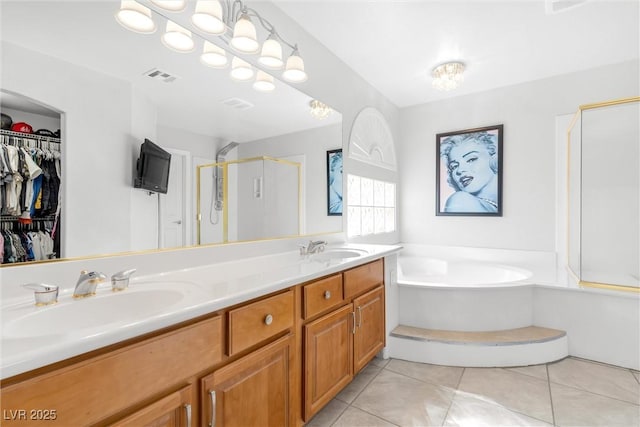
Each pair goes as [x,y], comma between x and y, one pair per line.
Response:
[327,294]
[268,319]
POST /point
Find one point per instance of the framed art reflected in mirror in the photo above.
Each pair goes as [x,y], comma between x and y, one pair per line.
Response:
[334,182]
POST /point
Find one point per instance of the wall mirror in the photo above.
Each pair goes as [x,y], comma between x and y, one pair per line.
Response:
[112,88]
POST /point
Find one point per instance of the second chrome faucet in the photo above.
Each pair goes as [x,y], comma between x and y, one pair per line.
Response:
[87,283]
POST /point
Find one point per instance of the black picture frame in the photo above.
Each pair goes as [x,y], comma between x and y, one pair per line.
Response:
[469,172]
[334,182]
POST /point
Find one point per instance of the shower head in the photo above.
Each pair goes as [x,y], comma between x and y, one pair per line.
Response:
[225,150]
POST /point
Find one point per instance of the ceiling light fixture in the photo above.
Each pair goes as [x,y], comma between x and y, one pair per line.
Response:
[135,17]
[319,110]
[447,76]
[233,23]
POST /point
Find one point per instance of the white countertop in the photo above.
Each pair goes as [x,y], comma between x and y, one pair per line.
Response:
[203,290]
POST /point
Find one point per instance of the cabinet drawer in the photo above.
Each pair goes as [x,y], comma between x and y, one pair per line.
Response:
[258,321]
[92,390]
[322,295]
[363,278]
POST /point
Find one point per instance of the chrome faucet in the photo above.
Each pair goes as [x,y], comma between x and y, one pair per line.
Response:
[87,283]
[313,247]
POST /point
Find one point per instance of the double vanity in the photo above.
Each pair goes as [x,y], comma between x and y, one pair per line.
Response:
[267,340]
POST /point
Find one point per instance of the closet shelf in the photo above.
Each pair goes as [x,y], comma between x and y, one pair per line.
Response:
[17,217]
[30,136]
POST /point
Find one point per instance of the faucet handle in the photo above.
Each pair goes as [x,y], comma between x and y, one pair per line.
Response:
[44,294]
[120,280]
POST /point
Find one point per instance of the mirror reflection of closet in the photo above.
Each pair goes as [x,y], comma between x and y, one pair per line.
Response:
[31,181]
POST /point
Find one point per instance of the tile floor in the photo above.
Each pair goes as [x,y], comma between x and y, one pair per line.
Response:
[570,392]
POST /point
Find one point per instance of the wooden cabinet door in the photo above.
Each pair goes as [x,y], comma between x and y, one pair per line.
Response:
[174,410]
[369,336]
[252,391]
[328,358]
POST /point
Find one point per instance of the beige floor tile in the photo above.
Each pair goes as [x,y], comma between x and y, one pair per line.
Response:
[476,411]
[574,407]
[405,401]
[354,417]
[351,391]
[538,371]
[515,391]
[441,375]
[597,378]
[327,415]
[637,375]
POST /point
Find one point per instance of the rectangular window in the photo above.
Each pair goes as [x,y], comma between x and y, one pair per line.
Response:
[371,205]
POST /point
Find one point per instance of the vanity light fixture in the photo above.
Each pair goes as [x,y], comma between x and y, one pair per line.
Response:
[264,82]
[244,35]
[233,23]
[208,17]
[135,17]
[178,38]
[294,70]
[241,70]
[171,5]
[271,54]
[447,76]
[213,55]
[319,110]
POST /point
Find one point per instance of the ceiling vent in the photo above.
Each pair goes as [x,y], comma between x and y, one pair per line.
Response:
[237,103]
[160,75]
[557,6]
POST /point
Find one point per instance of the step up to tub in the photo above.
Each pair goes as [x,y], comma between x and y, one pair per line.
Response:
[529,345]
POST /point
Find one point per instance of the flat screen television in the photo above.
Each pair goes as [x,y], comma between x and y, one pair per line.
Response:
[152,168]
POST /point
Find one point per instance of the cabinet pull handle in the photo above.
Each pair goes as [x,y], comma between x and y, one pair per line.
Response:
[353,317]
[359,316]
[268,319]
[327,294]
[212,394]
[187,408]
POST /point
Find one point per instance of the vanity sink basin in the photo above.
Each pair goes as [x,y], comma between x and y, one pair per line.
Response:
[80,316]
[337,254]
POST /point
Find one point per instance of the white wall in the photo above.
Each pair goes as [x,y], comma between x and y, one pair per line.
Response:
[528,112]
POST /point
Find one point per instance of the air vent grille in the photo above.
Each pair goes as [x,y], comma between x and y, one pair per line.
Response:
[556,6]
[160,75]
[237,103]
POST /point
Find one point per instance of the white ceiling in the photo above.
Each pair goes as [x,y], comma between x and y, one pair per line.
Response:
[394,45]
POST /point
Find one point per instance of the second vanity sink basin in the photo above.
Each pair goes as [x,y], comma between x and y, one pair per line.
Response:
[337,254]
[73,316]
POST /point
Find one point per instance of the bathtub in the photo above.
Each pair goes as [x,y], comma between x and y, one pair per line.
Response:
[458,273]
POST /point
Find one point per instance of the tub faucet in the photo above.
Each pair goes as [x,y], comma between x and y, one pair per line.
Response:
[87,283]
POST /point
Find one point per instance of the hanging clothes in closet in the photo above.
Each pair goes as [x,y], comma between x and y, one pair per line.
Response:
[30,178]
